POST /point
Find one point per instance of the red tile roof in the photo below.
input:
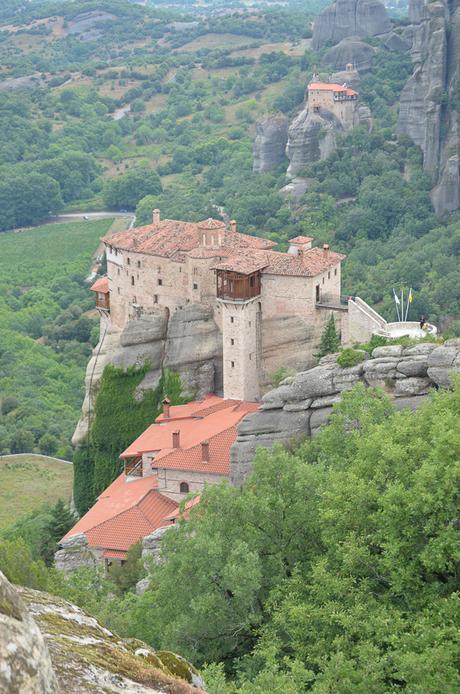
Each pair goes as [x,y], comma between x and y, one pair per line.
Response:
[213,420]
[238,252]
[332,87]
[170,237]
[124,513]
[300,240]
[101,285]
[185,513]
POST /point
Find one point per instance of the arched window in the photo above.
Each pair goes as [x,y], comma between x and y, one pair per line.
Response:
[184,488]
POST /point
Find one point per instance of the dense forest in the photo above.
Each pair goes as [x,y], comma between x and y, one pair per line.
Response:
[334,568]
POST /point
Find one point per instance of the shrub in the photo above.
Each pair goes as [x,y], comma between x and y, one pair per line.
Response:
[350,357]
[280,374]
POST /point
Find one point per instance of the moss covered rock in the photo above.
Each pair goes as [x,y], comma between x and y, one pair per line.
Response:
[89,658]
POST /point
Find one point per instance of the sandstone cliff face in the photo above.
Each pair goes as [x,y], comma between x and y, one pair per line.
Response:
[302,404]
[49,646]
[350,50]
[188,342]
[425,114]
[270,142]
[345,18]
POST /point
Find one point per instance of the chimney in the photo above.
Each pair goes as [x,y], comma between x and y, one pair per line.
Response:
[232,225]
[326,247]
[156,216]
[205,451]
[176,439]
[166,405]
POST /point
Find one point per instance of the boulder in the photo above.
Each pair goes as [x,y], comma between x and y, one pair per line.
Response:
[412,386]
[413,366]
[146,328]
[349,18]
[151,544]
[25,664]
[443,362]
[270,143]
[74,554]
[319,418]
[387,351]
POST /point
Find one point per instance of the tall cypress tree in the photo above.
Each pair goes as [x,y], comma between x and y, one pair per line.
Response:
[60,521]
[330,340]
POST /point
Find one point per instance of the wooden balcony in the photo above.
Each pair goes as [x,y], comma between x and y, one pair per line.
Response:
[235,286]
[103,300]
[133,467]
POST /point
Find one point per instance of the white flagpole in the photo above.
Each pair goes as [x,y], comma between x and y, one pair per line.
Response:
[408,301]
[396,303]
[402,305]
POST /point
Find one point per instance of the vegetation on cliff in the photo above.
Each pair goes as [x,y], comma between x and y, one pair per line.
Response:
[119,417]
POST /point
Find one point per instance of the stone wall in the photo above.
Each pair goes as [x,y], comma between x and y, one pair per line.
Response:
[303,403]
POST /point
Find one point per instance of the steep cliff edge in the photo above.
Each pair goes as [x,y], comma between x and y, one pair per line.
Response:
[346,18]
[187,342]
[270,142]
[427,111]
[302,404]
[48,645]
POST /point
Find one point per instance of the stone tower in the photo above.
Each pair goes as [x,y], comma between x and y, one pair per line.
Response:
[242,349]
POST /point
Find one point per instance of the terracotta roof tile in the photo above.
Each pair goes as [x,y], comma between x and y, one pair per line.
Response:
[332,87]
[114,554]
[124,513]
[101,285]
[185,513]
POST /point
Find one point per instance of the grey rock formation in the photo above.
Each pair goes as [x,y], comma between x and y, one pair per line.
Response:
[25,664]
[186,342]
[74,554]
[349,18]
[422,115]
[270,143]
[302,404]
[350,50]
[312,137]
[77,654]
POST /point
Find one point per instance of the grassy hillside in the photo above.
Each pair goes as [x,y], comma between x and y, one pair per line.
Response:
[29,482]
[45,340]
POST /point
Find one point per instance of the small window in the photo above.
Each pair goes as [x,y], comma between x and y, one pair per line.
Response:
[323,280]
[232,341]
[233,364]
[129,261]
[155,299]
[132,280]
[232,320]
[138,263]
[118,271]
[118,290]
[250,357]
[335,271]
[160,282]
[195,286]
[184,488]
[250,323]
[328,275]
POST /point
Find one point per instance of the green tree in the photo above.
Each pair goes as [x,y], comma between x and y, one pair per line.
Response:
[126,190]
[330,340]
[61,519]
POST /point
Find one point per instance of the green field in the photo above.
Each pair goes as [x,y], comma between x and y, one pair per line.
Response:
[45,336]
[28,482]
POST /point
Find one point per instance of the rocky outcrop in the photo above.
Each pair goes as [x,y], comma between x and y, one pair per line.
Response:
[303,403]
[25,664]
[312,137]
[74,554]
[351,50]
[270,142]
[186,342]
[427,113]
[48,645]
[345,18]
